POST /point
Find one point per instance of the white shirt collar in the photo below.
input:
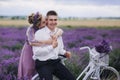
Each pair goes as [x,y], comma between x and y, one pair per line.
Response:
[51,32]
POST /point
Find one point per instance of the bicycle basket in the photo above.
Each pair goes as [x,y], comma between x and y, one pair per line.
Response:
[103,58]
[104,49]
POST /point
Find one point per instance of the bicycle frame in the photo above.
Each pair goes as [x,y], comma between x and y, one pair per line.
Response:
[97,60]
[90,68]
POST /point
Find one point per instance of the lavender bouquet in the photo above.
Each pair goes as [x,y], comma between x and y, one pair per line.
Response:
[103,47]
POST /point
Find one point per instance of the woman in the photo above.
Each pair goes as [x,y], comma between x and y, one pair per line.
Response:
[26,68]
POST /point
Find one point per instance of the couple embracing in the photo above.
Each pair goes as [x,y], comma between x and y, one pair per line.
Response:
[41,51]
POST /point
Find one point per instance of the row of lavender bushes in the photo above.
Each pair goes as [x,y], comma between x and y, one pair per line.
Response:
[12,40]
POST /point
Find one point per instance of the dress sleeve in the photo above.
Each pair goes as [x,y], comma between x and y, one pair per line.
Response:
[30,35]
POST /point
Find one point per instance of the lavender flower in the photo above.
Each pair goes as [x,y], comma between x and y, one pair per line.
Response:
[103,47]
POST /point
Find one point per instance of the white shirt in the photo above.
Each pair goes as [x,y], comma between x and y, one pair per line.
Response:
[46,52]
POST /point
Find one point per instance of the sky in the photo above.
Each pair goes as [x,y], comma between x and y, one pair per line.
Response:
[64,8]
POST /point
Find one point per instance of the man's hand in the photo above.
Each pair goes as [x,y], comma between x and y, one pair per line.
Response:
[68,54]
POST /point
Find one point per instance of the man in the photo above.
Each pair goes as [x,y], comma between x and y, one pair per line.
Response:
[46,58]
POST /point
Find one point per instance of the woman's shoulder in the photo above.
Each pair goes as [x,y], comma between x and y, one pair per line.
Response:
[30,29]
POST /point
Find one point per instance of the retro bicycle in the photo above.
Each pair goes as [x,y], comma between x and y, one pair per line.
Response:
[98,67]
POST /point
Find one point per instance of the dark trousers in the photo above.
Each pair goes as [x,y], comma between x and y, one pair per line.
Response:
[46,70]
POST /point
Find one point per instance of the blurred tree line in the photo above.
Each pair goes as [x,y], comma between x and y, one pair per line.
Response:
[60,18]
[13,17]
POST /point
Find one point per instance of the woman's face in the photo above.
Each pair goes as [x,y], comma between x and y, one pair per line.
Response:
[43,22]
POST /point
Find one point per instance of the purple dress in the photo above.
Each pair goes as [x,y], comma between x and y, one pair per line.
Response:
[26,68]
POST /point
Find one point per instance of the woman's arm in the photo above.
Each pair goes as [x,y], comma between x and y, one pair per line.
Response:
[54,36]
[46,42]
[33,42]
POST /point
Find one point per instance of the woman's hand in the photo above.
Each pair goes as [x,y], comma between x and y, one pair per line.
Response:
[59,33]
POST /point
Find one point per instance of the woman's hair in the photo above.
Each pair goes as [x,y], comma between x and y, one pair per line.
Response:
[35,19]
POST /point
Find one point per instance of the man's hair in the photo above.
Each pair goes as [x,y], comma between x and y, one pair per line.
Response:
[51,12]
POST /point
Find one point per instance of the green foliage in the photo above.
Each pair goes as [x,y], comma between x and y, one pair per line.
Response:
[6,47]
[7,56]
[104,35]
[115,59]
[71,45]
[74,68]
[89,37]
[16,47]
[69,26]
[78,63]
[13,48]
[74,64]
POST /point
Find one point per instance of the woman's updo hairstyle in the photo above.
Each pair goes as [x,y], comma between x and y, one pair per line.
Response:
[35,19]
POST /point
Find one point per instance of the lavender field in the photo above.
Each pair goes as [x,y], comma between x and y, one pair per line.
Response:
[12,40]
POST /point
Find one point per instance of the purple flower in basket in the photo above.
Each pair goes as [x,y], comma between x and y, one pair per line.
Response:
[103,47]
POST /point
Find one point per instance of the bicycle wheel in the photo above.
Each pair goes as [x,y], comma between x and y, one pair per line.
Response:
[105,73]
[35,77]
[109,73]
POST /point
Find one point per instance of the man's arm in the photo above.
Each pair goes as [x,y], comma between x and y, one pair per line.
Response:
[62,51]
[61,46]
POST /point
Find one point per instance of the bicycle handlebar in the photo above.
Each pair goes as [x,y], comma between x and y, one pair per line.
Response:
[86,47]
[93,54]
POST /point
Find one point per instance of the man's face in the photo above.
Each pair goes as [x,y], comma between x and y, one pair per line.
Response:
[52,22]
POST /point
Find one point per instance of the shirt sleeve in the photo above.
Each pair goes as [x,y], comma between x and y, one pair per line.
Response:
[62,51]
[42,51]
